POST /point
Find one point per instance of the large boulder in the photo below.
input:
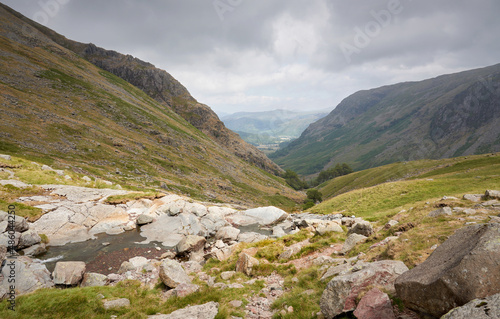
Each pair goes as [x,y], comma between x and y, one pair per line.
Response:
[28,239]
[205,311]
[458,271]
[484,308]
[351,241]
[68,273]
[29,276]
[172,274]
[342,291]
[266,216]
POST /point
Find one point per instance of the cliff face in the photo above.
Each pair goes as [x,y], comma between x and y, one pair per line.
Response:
[448,116]
[164,88]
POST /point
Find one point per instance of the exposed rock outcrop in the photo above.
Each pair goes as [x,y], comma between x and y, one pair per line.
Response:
[458,271]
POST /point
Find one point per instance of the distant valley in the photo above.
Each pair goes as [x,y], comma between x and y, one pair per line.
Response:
[267,130]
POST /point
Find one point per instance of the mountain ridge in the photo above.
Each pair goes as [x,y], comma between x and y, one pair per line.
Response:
[62,110]
[447,116]
[164,88]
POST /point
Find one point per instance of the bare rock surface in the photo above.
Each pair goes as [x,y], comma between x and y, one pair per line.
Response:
[172,274]
[483,308]
[458,271]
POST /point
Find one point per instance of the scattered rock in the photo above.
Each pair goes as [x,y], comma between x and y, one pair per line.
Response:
[291,251]
[190,243]
[328,226]
[35,250]
[117,303]
[341,292]
[493,194]
[476,198]
[458,271]
[443,211]
[235,303]
[144,219]
[390,224]
[351,241]
[245,264]
[68,273]
[251,237]
[278,232]
[205,311]
[184,289]
[92,279]
[28,239]
[374,305]
[172,274]
[484,308]
[226,275]
[227,234]
[5,157]
[362,228]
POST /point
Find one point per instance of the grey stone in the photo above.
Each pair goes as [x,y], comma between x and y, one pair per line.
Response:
[476,198]
[227,234]
[68,273]
[117,303]
[191,243]
[443,211]
[91,279]
[172,274]
[483,308]
[493,194]
[226,275]
[245,264]
[28,239]
[351,241]
[5,157]
[251,237]
[205,311]
[278,232]
[182,290]
[458,271]
[30,276]
[35,250]
[362,228]
[144,219]
[266,216]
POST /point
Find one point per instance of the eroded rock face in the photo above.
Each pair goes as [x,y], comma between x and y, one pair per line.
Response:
[342,291]
[458,271]
[172,274]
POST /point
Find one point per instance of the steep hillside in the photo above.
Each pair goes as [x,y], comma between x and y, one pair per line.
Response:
[162,87]
[451,115]
[270,126]
[64,111]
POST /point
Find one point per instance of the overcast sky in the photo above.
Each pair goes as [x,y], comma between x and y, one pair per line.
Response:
[254,55]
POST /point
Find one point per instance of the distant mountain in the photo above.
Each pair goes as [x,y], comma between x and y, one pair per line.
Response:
[447,116]
[62,110]
[271,126]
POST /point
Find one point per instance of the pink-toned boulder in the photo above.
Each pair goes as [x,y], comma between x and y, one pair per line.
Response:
[342,291]
[374,305]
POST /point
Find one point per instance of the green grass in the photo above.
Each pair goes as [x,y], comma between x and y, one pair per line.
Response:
[423,181]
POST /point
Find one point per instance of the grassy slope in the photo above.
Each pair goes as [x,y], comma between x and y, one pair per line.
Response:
[61,110]
[407,201]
